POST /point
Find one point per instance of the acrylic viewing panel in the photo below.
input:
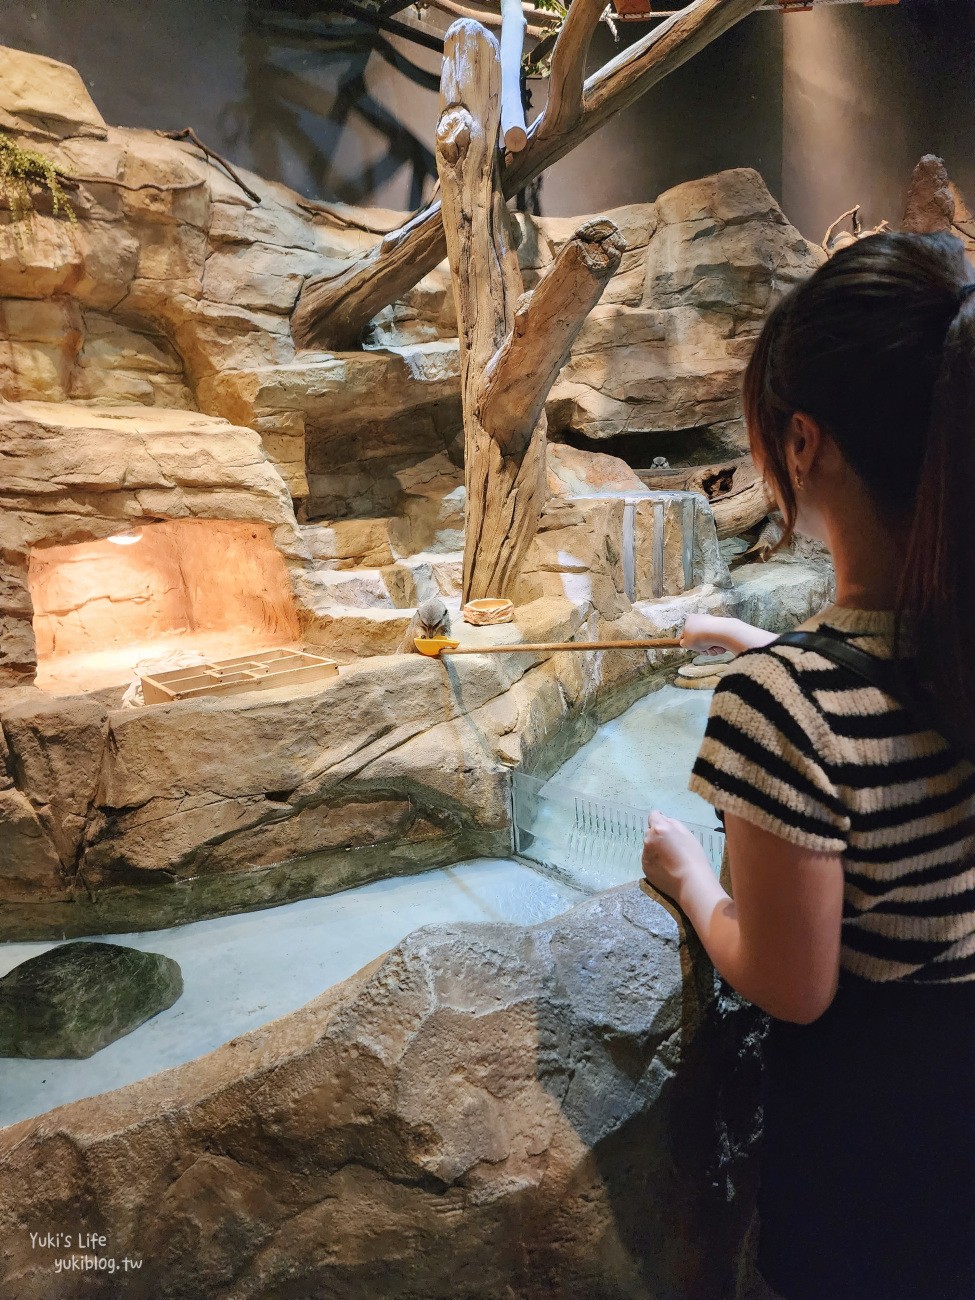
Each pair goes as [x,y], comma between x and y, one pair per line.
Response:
[588,841]
[255,672]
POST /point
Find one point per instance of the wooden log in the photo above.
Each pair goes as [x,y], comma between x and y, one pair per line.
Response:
[518,378]
[715,481]
[514,129]
[332,312]
[735,514]
[738,498]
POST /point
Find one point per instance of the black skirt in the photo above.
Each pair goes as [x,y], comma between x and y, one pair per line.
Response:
[868,1167]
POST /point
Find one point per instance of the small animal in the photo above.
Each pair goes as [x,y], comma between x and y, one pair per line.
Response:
[433,618]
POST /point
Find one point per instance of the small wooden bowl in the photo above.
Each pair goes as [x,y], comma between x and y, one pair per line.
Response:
[483,613]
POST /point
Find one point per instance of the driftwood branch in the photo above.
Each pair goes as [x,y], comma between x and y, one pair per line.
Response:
[333,311]
[519,376]
[624,79]
[568,68]
[853,212]
[514,129]
[211,154]
[512,345]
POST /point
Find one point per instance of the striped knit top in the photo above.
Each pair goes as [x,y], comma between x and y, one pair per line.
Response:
[806,749]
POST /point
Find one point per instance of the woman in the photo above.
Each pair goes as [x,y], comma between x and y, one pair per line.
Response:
[850,822]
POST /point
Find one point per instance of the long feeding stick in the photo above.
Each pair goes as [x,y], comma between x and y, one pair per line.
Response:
[438,646]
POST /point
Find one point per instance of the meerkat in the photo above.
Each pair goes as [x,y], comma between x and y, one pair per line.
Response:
[432,619]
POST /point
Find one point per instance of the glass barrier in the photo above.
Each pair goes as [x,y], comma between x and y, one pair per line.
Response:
[587,841]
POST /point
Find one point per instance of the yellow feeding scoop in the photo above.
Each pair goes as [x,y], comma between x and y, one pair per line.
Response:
[436,646]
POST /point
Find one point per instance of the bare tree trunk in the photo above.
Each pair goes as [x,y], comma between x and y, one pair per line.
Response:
[512,345]
[332,312]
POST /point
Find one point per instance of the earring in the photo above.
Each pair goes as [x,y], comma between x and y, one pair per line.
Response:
[798,481]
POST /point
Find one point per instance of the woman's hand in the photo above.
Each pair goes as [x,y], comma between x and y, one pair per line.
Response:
[672,856]
[708,634]
[712,633]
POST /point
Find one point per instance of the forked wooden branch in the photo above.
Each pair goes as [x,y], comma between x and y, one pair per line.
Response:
[519,376]
[333,311]
[512,344]
[568,69]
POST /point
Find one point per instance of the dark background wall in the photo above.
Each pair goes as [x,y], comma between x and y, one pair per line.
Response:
[832,107]
[866,92]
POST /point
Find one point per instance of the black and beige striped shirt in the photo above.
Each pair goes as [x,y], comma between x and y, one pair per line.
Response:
[806,749]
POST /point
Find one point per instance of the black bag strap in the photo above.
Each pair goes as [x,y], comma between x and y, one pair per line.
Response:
[875,671]
[880,673]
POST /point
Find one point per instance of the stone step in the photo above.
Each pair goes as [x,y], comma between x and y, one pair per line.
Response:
[358,588]
[349,543]
[360,632]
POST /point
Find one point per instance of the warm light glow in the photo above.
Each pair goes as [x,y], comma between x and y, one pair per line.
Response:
[216,587]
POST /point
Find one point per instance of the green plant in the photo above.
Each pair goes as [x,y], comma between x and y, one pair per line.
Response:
[21,172]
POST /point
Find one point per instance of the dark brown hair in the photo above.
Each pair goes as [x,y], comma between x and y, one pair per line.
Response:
[878,347]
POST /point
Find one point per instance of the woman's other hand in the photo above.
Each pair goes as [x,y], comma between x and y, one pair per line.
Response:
[671,855]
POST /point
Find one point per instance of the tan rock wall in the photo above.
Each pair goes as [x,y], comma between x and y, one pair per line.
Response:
[182,575]
[666,350]
[72,474]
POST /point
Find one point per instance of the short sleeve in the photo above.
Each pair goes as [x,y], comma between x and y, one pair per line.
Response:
[763,757]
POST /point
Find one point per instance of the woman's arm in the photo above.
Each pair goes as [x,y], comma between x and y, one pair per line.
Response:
[778,942]
[703,632]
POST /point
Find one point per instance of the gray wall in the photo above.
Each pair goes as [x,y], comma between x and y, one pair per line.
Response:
[866,92]
[833,107]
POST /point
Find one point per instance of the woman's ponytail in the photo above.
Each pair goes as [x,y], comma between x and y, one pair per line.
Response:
[937,584]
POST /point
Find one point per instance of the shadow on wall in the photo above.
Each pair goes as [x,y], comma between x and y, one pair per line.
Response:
[309,101]
[291,89]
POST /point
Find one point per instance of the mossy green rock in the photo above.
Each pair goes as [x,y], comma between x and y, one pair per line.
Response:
[75,999]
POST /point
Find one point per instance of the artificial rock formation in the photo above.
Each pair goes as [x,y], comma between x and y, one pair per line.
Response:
[174,290]
[562,1110]
[114,819]
[75,999]
[664,351]
[662,354]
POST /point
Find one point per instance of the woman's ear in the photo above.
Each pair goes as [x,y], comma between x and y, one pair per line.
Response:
[805,437]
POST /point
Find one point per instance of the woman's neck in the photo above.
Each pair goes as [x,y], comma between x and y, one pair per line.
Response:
[867,556]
